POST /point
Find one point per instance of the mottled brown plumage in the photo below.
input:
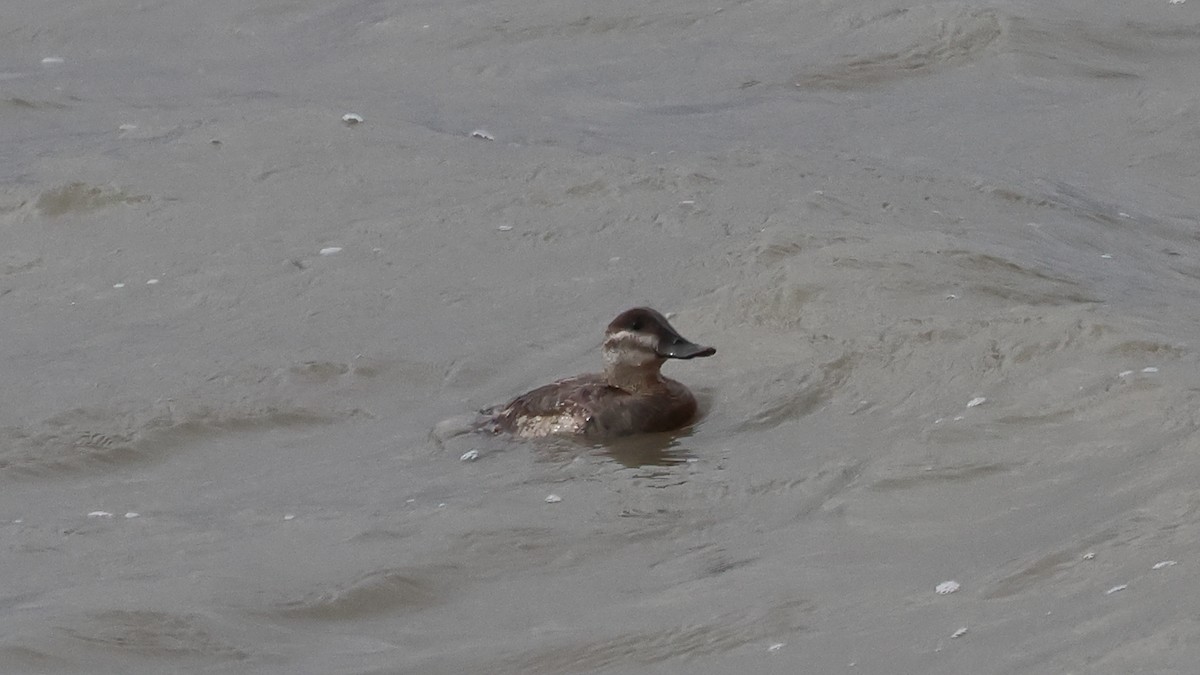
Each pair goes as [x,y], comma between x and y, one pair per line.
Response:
[631,396]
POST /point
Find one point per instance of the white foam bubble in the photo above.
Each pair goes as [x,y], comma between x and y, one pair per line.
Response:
[947,587]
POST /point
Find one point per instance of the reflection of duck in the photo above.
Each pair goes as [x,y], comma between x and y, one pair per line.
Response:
[631,396]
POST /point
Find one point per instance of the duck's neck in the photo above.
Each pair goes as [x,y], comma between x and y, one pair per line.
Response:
[634,378]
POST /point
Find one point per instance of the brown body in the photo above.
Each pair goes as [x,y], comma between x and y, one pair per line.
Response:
[631,396]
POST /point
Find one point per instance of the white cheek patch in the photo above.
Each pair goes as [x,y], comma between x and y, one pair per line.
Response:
[630,348]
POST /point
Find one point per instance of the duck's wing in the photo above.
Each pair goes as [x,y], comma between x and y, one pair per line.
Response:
[551,408]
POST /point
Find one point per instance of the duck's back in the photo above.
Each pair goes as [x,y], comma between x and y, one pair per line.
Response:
[589,405]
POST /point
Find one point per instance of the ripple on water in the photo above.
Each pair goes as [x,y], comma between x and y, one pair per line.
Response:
[723,633]
[99,439]
[795,392]
[153,633]
[81,198]
[382,591]
[907,43]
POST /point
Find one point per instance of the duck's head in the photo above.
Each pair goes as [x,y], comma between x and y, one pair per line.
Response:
[641,337]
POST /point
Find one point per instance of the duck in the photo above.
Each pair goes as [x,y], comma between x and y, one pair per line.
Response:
[631,396]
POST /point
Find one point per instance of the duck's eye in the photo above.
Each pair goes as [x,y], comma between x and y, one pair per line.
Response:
[636,325]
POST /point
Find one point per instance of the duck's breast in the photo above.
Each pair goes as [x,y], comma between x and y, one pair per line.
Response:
[662,409]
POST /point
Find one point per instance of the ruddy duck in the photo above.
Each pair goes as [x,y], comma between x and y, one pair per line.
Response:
[631,396]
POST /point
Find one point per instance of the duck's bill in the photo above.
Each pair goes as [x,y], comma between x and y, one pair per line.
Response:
[680,348]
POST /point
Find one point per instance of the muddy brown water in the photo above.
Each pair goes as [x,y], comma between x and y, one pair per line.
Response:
[215,450]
